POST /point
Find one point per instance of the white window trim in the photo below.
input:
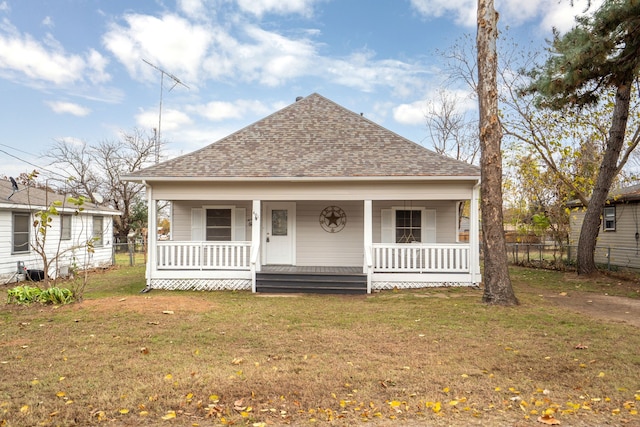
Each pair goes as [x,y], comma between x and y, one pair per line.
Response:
[604,218]
[235,210]
[96,243]
[425,227]
[13,230]
[70,216]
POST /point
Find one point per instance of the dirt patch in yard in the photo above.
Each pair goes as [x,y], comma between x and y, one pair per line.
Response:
[606,307]
[148,304]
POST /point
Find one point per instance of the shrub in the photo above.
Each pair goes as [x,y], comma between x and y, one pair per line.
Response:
[30,294]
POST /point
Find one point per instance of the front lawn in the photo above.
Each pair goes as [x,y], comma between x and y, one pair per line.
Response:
[430,357]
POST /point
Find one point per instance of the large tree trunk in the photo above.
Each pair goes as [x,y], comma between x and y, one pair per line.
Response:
[606,174]
[497,283]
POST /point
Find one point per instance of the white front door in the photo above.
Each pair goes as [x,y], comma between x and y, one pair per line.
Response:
[279,238]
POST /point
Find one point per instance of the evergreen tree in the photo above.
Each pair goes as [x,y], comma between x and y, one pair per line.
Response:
[601,52]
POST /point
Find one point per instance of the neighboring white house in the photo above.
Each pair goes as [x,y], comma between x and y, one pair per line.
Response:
[67,234]
[313,196]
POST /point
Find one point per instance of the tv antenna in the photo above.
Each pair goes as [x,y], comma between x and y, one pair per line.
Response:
[176,82]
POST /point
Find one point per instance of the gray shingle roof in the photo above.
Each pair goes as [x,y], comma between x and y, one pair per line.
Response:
[38,198]
[311,138]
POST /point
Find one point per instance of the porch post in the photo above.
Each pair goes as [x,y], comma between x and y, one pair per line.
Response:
[474,235]
[368,242]
[256,225]
[152,235]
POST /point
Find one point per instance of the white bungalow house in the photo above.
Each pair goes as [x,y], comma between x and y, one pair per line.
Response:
[312,196]
[66,236]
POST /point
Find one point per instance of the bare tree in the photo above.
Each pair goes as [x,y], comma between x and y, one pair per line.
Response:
[78,163]
[452,134]
[497,283]
[97,170]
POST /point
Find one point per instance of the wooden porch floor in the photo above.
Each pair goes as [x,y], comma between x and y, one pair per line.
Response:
[301,269]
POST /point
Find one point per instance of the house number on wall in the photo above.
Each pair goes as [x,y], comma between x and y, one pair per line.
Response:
[332,219]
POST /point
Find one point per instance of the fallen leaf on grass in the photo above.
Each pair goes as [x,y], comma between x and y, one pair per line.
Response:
[144,350]
[167,312]
[548,420]
[170,415]
[581,347]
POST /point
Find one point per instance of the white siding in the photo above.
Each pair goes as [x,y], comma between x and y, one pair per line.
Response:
[445,218]
[80,233]
[316,247]
[181,229]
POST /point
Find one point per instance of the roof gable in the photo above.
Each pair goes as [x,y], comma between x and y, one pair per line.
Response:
[311,138]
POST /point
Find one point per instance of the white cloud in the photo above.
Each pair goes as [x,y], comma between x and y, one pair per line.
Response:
[414,113]
[193,8]
[61,107]
[463,10]
[171,120]
[218,110]
[551,13]
[48,22]
[170,42]
[23,56]
[260,7]
[4,7]
[363,72]
[410,114]
[562,16]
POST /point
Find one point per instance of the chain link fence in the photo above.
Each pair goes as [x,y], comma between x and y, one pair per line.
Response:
[542,255]
[130,254]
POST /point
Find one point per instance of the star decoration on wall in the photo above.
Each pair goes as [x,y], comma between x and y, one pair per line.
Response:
[333,219]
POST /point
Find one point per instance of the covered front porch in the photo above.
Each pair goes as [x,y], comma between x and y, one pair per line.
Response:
[261,247]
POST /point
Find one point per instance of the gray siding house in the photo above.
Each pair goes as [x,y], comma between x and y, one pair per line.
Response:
[312,194]
[619,238]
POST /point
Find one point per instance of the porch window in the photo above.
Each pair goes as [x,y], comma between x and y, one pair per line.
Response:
[401,225]
[65,227]
[98,223]
[20,242]
[609,214]
[408,226]
[218,225]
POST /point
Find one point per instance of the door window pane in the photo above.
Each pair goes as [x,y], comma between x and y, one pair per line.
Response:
[279,222]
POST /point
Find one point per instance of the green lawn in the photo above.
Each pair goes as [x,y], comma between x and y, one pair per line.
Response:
[429,357]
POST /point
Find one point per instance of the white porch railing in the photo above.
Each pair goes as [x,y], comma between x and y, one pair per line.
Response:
[172,255]
[422,258]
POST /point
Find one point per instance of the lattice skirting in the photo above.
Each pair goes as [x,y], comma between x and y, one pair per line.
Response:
[201,284]
[416,285]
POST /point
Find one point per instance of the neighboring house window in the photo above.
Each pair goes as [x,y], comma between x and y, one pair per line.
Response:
[218,224]
[408,226]
[20,232]
[98,223]
[609,214]
[65,227]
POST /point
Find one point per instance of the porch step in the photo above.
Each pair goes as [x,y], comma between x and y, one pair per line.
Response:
[319,283]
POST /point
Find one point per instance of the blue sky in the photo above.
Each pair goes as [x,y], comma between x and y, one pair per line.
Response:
[73,70]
